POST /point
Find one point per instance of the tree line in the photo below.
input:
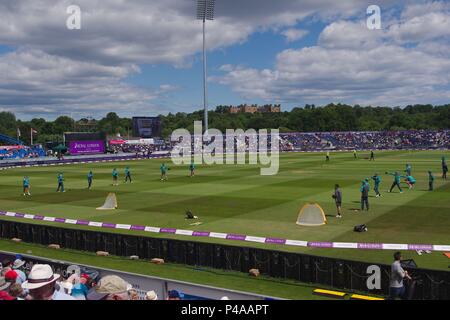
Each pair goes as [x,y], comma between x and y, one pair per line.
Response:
[332,117]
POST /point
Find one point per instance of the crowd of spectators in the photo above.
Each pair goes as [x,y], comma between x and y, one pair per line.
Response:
[138,149]
[299,141]
[377,140]
[42,283]
[21,152]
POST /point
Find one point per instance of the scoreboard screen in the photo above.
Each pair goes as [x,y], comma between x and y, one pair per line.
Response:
[146,127]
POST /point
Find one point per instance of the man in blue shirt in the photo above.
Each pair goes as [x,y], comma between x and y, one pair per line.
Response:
[60,183]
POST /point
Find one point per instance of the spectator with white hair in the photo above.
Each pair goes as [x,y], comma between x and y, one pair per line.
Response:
[151,295]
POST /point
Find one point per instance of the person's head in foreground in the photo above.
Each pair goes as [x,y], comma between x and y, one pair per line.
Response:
[151,295]
[41,284]
[174,295]
[397,256]
[110,287]
[16,291]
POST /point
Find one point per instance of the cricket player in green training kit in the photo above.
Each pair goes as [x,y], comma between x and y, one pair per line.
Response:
[26,186]
[115,176]
[60,183]
[430,181]
[372,156]
[396,181]
[377,180]
[90,177]
[127,174]
[192,169]
[163,168]
[364,189]
[410,181]
[408,169]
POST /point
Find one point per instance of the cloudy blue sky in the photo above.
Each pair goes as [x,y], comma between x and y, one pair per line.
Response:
[143,57]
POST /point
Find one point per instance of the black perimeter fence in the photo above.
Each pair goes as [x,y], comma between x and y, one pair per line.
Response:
[337,273]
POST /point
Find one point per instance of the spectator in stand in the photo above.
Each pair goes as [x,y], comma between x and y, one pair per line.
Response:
[174,295]
[42,284]
[4,286]
[4,271]
[18,266]
[80,289]
[12,276]
[110,287]
[16,291]
[134,295]
[151,295]
[380,140]
[6,264]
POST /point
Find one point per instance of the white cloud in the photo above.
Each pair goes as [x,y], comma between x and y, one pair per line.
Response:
[352,64]
[157,31]
[293,34]
[35,82]
[56,69]
[349,35]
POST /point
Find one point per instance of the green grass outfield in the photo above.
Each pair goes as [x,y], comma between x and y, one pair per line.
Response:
[237,199]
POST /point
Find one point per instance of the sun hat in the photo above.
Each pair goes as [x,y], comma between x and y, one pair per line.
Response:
[18,263]
[3,284]
[108,285]
[67,286]
[40,275]
[151,295]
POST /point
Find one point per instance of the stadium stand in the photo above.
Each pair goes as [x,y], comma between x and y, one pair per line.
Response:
[69,281]
[9,140]
[21,152]
[376,140]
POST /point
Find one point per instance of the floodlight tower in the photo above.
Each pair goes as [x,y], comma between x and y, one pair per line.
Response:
[205,11]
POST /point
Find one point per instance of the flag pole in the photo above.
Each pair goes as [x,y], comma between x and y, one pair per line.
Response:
[31,134]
